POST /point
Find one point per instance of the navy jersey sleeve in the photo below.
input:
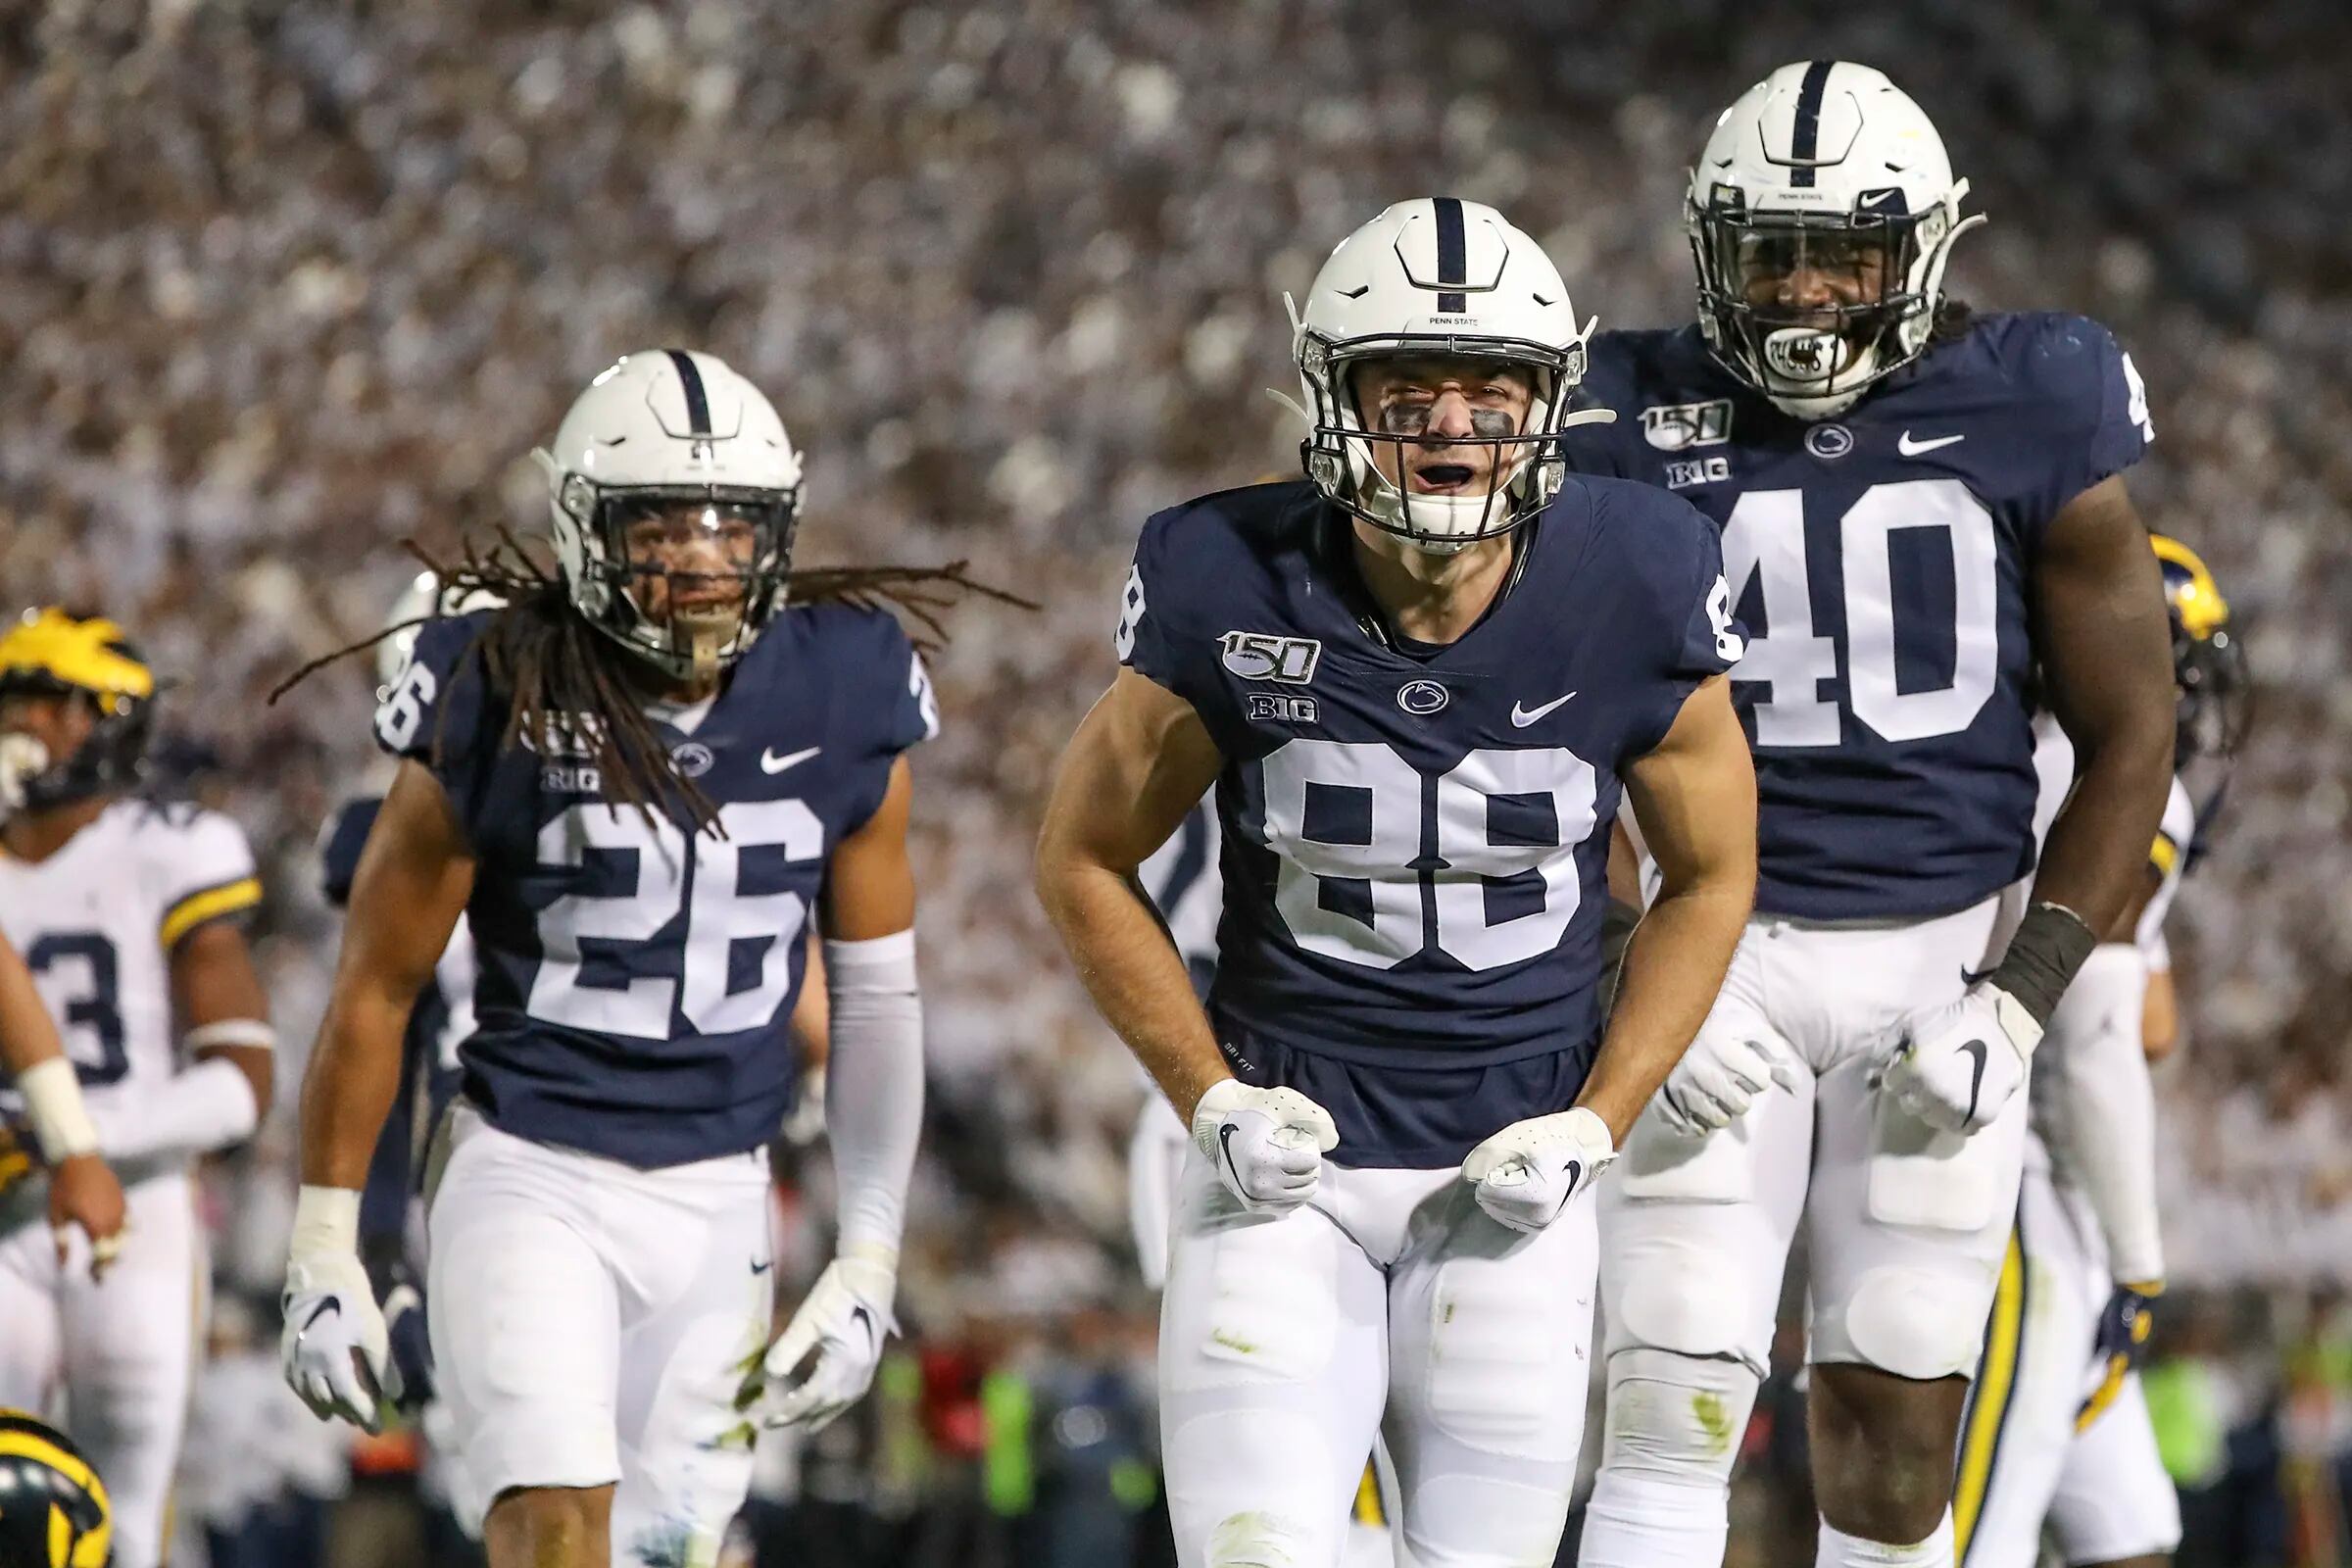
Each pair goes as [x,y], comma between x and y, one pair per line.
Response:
[1598,447]
[1699,636]
[435,714]
[908,705]
[1147,640]
[2096,406]
[892,706]
[339,846]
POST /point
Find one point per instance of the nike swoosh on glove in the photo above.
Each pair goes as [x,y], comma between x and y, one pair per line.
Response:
[825,1360]
[1266,1144]
[333,1346]
[1716,1081]
[1528,1173]
[1955,1066]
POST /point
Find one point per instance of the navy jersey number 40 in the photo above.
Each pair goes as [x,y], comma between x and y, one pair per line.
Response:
[634,976]
[1882,562]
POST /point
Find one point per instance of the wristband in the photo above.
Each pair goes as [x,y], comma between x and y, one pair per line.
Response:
[327,1220]
[61,1123]
[250,1033]
[2050,945]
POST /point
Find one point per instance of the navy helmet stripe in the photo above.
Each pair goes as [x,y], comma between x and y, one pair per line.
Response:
[1454,254]
[1803,143]
[698,402]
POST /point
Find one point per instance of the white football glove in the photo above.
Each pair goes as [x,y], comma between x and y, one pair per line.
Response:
[1528,1173]
[838,1331]
[333,1346]
[1266,1144]
[1716,1081]
[1955,1066]
[21,758]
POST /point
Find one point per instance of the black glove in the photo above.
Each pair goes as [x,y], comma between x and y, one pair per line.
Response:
[2126,1324]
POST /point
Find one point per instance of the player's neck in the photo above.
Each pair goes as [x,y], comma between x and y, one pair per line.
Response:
[679,691]
[34,836]
[1432,598]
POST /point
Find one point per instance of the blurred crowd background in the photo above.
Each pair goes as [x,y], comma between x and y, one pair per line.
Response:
[286,282]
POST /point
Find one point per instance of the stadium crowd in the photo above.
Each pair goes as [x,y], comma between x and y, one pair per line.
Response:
[285,283]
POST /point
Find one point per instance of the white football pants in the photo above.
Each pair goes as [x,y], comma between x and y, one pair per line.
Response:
[2101,1492]
[594,1323]
[114,1361]
[1391,1306]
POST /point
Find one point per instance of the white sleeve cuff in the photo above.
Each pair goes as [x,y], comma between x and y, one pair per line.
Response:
[2103,1132]
[209,1106]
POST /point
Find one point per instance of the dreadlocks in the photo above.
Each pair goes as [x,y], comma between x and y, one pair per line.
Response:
[567,685]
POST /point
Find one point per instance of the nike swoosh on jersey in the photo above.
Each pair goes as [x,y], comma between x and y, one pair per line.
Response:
[1912,449]
[1975,1051]
[771,762]
[1521,717]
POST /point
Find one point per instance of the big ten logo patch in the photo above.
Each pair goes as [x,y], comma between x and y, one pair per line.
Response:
[1280,708]
[1683,472]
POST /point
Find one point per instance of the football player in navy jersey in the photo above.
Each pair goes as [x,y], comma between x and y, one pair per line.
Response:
[633,780]
[1419,683]
[1921,514]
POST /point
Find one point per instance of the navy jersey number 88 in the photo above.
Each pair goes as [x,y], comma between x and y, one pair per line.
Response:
[634,977]
[1366,901]
[1414,840]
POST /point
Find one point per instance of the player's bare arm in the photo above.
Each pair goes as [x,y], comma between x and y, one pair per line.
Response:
[869,884]
[2103,640]
[1140,761]
[2105,648]
[412,882]
[83,1190]
[1695,797]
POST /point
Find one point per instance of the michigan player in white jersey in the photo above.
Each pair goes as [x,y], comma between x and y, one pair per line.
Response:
[56,1135]
[1419,681]
[637,778]
[126,911]
[1922,515]
[2058,1441]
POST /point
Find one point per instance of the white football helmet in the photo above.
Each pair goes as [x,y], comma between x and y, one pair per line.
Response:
[1817,160]
[423,599]
[659,429]
[1447,277]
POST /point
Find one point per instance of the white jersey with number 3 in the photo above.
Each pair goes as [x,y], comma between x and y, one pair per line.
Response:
[97,921]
